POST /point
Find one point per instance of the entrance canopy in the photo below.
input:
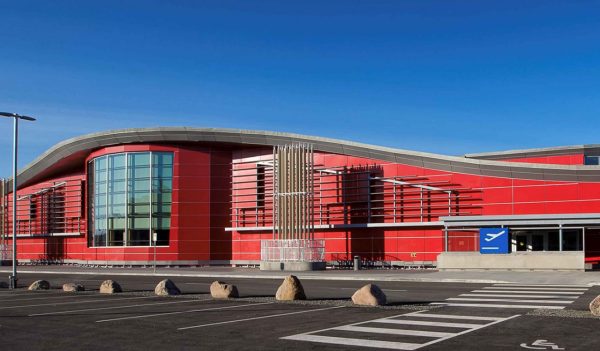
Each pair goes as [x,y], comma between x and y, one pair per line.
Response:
[529,233]
[555,220]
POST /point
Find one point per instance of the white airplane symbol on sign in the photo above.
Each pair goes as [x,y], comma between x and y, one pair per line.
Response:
[492,236]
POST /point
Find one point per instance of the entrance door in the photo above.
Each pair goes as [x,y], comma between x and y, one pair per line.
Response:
[521,242]
[537,242]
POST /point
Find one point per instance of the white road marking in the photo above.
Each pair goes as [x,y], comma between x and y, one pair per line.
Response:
[453,316]
[498,305]
[527,296]
[181,312]
[434,324]
[114,307]
[261,317]
[75,302]
[528,292]
[398,333]
[354,328]
[470,330]
[48,297]
[355,342]
[506,300]
[523,288]
[543,285]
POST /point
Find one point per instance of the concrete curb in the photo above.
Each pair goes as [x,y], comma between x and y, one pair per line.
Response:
[272,276]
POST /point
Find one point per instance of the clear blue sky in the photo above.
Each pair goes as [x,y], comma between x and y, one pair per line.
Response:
[449,77]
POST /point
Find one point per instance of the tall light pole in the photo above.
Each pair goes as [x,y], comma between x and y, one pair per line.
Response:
[16,118]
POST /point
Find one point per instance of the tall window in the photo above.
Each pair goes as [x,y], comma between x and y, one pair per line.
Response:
[130,198]
[592,160]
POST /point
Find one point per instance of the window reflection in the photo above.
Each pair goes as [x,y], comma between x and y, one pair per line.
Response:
[129,198]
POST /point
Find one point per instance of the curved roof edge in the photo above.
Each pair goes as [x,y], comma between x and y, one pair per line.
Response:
[538,152]
[90,142]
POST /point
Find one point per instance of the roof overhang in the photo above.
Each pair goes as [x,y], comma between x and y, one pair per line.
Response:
[589,219]
[63,153]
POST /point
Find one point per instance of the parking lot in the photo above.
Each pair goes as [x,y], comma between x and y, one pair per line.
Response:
[426,316]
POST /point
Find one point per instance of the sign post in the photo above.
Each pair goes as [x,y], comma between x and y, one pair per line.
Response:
[154,238]
[493,240]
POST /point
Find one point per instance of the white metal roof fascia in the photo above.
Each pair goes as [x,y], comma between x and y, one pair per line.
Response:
[542,219]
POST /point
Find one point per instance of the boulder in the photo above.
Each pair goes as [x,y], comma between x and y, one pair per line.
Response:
[166,288]
[290,289]
[110,287]
[595,306]
[39,285]
[221,290]
[369,295]
[72,287]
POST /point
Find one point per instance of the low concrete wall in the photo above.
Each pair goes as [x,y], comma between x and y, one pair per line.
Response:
[517,261]
[292,266]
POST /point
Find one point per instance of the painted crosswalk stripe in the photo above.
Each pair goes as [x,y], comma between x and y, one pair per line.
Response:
[399,335]
[528,292]
[355,342]
[495,287]
[543,285]
[453,316]
[532,296]
[433,324]
[507,300]
[499,305]
[525,296]
[353,328]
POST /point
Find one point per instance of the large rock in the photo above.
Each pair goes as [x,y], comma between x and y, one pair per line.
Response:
[166,288]
[39,285]
[290,289]
[72,287]
[110,287]
[595,306]
[369,295]
[221,290]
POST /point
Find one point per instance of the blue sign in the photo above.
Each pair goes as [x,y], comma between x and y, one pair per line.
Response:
[493,240]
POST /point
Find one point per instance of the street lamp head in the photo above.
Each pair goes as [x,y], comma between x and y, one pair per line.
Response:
[14,115]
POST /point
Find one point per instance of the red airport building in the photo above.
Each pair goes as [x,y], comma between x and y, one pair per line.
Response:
[201,196]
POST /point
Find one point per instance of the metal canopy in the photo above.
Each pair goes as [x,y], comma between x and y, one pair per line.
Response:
[512,220]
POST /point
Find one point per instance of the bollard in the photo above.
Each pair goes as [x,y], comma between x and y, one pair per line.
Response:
[12,281]
[356,263]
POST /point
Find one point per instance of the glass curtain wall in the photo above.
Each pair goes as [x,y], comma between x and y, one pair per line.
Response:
[130,198]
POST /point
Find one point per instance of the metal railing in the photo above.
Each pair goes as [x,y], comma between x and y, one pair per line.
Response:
[5,252]
[299,250]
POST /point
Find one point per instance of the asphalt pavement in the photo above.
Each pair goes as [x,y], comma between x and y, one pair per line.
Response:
[424,315]
[421,275]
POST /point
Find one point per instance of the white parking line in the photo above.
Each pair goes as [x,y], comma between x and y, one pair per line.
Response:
[181,312]
[75,302]
[113,307]
[261,317]
[62,296]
